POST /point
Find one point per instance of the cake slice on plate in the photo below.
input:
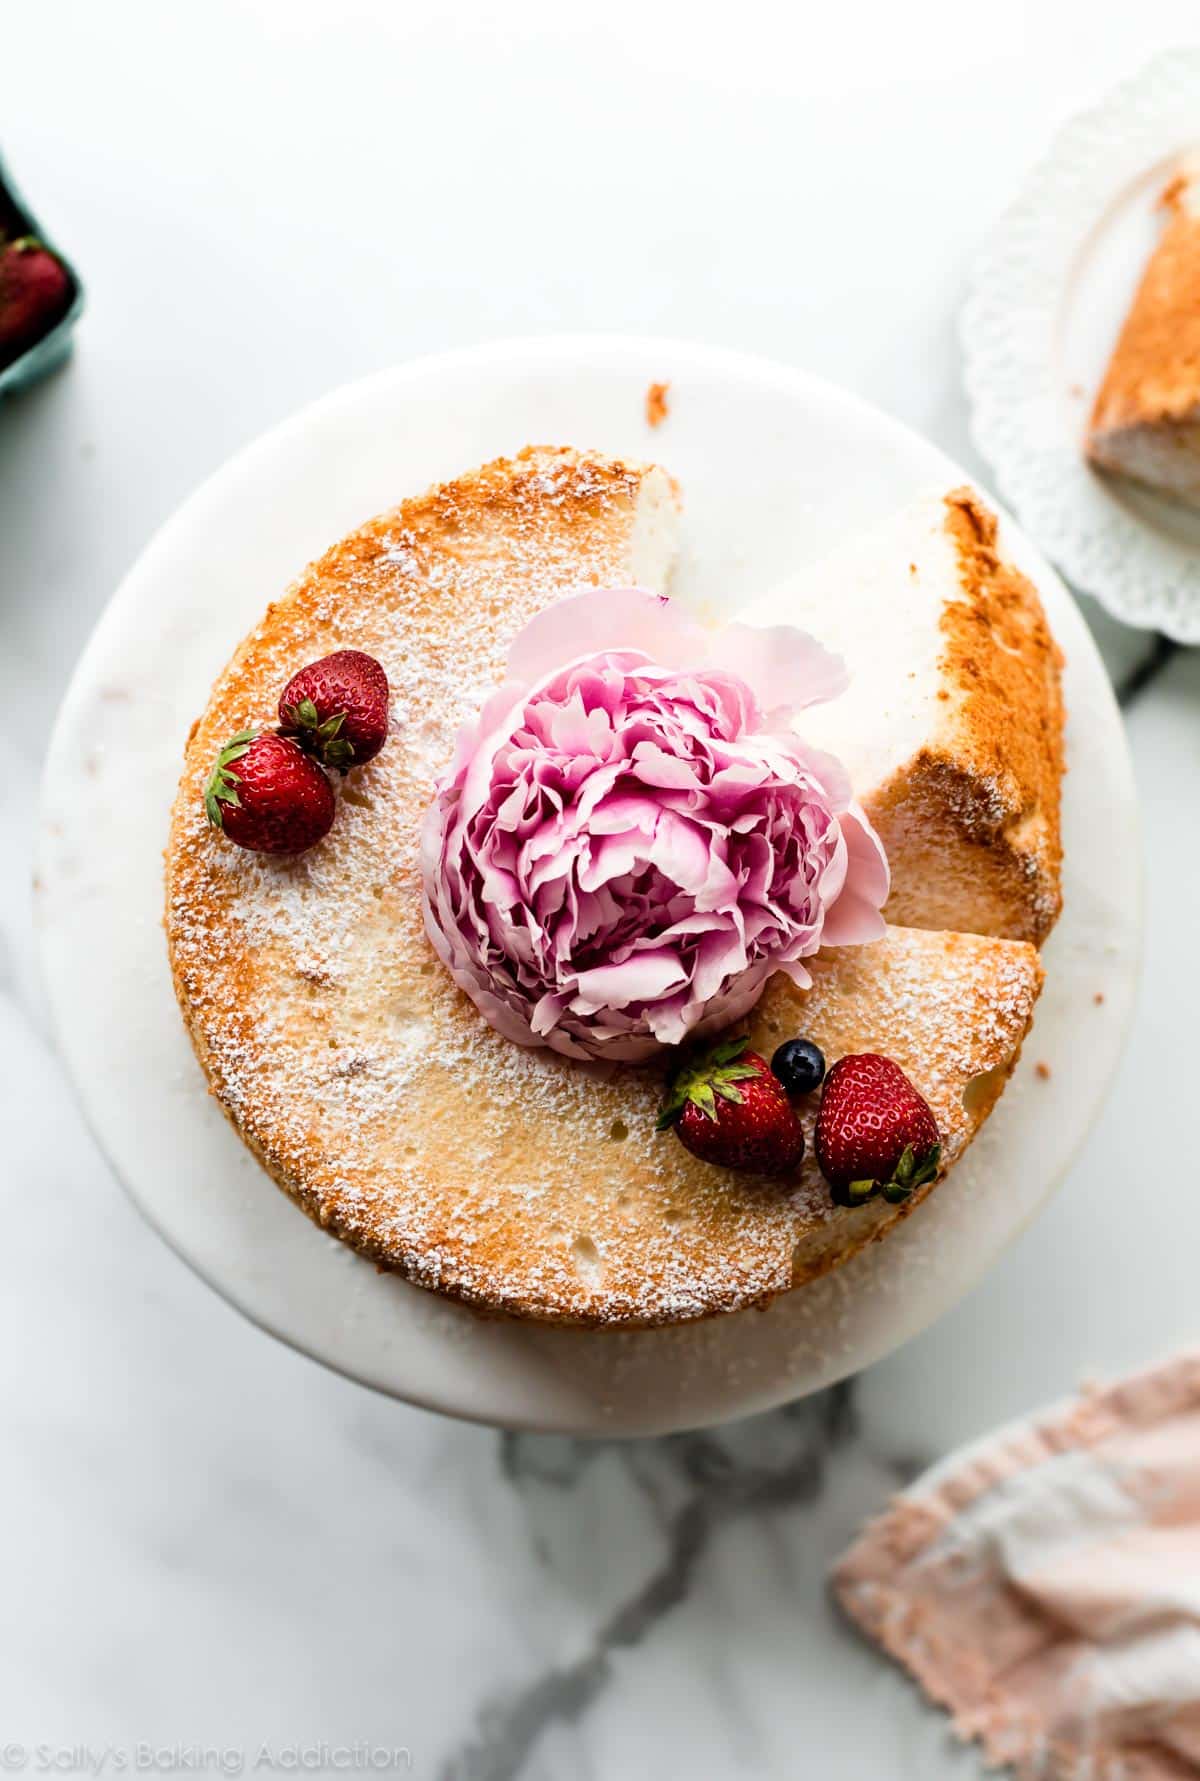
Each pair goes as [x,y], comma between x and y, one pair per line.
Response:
[1146,421]
[952,727]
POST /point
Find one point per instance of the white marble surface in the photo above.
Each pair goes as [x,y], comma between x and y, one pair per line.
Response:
[208,1541]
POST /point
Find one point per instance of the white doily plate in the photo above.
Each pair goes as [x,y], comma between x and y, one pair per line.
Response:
[1047,297]
[776,467]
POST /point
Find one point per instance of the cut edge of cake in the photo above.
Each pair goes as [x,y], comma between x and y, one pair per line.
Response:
[952,725]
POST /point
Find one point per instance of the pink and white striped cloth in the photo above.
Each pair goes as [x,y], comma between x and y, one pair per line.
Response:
[1044,1587]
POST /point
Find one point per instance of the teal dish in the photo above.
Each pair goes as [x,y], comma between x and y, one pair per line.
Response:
[46,354]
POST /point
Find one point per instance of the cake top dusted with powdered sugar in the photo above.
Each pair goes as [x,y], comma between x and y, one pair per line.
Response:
[371,1088]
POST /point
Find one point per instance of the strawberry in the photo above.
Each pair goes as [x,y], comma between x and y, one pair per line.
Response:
[337,709]
[874,1133]
[727,1108]
[266,794]
[35,293]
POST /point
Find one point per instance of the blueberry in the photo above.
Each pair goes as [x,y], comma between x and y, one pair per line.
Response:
[799,1065]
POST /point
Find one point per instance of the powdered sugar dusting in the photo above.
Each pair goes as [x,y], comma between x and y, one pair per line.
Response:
[376,1094]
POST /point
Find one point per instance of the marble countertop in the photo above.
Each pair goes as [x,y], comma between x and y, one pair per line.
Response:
[215,1553]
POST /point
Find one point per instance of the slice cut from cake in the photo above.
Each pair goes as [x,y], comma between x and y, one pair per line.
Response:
[376,1094]
[952,727]
[1146,421]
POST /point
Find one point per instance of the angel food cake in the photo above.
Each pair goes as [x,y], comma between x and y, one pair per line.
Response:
[539,939]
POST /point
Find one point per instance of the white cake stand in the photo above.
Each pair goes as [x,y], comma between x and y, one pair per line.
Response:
[775,466]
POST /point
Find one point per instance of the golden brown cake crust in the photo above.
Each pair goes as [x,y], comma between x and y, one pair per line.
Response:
[1146,419]
[993,773]
[372,1090]
[1154,373]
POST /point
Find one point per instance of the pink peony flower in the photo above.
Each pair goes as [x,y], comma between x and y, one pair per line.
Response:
[631,839]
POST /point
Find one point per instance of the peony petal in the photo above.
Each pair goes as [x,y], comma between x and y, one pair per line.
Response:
[623,812]
[597,620]
[642,978]
[656,767]
[546,1015]
[787,668]
[855,918]
[681,852]
[720,955]
[670,1022]
[611,857]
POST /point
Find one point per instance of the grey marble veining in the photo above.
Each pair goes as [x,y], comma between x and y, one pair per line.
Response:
[695,1483]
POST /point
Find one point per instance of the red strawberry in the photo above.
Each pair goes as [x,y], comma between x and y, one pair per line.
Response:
[266,794]
[728,1108]
[35,293]
[874,1132]
[337,709]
